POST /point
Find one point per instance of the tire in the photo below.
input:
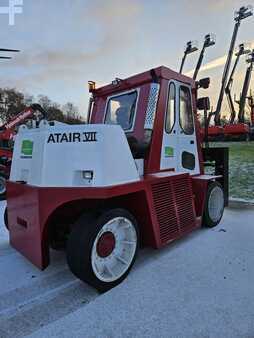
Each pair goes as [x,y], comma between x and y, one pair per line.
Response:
[2,188]
[214,205]
[6,223]
[101,250]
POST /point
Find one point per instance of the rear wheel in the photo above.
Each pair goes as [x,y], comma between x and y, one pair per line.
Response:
[214,206]
[2,188]
[101,250]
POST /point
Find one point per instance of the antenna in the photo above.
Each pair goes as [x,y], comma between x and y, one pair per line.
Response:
[8,50]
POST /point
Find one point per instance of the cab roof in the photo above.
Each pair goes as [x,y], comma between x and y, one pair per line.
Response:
[152,75]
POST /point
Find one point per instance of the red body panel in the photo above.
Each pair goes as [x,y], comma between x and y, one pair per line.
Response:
[171,206]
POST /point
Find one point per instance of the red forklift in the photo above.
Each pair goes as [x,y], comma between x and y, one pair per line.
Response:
[132,177]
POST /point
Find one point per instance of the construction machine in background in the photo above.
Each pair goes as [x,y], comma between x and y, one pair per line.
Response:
[30,116]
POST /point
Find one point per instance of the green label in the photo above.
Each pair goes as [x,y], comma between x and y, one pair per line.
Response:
[169,152]
[27,148]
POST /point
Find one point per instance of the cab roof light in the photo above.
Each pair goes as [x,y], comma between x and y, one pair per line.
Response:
[117,81]
[91,86]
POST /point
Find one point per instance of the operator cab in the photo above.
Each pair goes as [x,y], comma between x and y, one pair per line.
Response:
[156,111]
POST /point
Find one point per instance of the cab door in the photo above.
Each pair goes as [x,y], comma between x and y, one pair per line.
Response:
[179,145]
[188,160]
[169,142]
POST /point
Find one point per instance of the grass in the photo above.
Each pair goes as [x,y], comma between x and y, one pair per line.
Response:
[241,170]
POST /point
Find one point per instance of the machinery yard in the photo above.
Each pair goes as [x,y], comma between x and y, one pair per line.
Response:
[208,293]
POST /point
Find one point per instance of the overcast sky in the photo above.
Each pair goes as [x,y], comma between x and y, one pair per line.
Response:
[65,43]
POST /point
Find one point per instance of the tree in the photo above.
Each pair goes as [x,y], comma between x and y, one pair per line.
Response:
[72,115]
[11,103]
[44,101]
[54,113]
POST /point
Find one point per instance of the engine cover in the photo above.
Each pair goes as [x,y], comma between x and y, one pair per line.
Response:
[73,156]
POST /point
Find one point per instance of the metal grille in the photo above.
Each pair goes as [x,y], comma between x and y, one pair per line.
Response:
[165,210]
[184,201]
[152,105]
[173,207]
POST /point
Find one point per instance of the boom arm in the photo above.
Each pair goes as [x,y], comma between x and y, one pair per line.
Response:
[241,52]
[243,13]
[245,89]
[28,112]
[191,47]
[209,41]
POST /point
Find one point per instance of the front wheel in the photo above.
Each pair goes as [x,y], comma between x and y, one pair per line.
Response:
[6,223]
[101,250]
[214,205]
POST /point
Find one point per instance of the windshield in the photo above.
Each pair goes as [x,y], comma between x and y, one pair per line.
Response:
[121,110]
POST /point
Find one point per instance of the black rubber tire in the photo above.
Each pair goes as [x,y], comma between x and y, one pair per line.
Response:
[6,223]
[207,221]
[3,195]
[80,243]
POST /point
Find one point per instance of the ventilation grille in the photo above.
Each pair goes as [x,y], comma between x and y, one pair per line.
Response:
[173,207]
[184,201]
[152,105]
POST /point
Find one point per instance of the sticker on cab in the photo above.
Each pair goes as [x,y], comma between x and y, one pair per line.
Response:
[169,152]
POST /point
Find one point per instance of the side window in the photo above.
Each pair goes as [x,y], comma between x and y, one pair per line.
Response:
[121,110]
[186,116]
[170,117]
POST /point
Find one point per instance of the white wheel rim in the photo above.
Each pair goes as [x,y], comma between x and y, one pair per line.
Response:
[113,266]
[2,185]
[216,204]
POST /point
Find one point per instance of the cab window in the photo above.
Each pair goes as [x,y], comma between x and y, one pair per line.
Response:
[121,110]
[170,117]
[186,116]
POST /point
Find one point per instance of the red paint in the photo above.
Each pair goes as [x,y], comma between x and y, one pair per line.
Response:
[236,129]
[33,206]
[106,244]
[215,131]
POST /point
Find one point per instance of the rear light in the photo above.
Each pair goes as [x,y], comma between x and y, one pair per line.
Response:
[87,175]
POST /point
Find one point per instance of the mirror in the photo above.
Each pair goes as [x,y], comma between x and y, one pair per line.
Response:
[203,103]
[204,83]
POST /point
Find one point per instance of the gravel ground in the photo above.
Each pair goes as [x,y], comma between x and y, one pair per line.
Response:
[200,286]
